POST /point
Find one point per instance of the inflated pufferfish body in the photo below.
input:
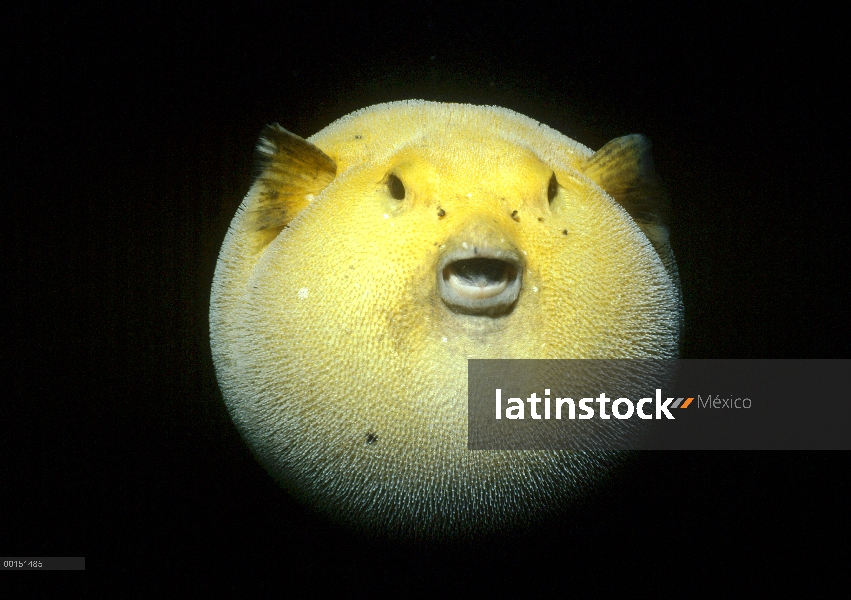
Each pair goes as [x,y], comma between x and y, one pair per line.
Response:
[369,262]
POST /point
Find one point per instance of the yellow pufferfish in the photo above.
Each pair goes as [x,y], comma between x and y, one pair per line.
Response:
[368,262]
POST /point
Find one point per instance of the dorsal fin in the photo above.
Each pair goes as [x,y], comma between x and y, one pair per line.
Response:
[624,168]
[291,171]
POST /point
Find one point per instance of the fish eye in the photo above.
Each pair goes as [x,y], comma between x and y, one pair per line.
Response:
[397,190]
[552,189]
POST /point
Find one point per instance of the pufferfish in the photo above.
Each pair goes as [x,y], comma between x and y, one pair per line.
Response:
[369,262]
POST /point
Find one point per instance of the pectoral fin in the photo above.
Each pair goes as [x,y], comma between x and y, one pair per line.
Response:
[624,169]
[291,172]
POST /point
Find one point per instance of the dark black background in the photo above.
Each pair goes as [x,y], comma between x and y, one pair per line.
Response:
[132,133]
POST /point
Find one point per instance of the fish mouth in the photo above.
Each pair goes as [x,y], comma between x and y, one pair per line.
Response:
[480,281]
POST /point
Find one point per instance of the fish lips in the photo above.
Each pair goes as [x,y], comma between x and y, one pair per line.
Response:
[480,281]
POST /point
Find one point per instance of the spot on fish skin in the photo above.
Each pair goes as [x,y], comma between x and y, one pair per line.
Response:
[515,217]
[534,288]
[302,293]
[371,438]
[444,340]
[386,216]
[564,231]
[440,213]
